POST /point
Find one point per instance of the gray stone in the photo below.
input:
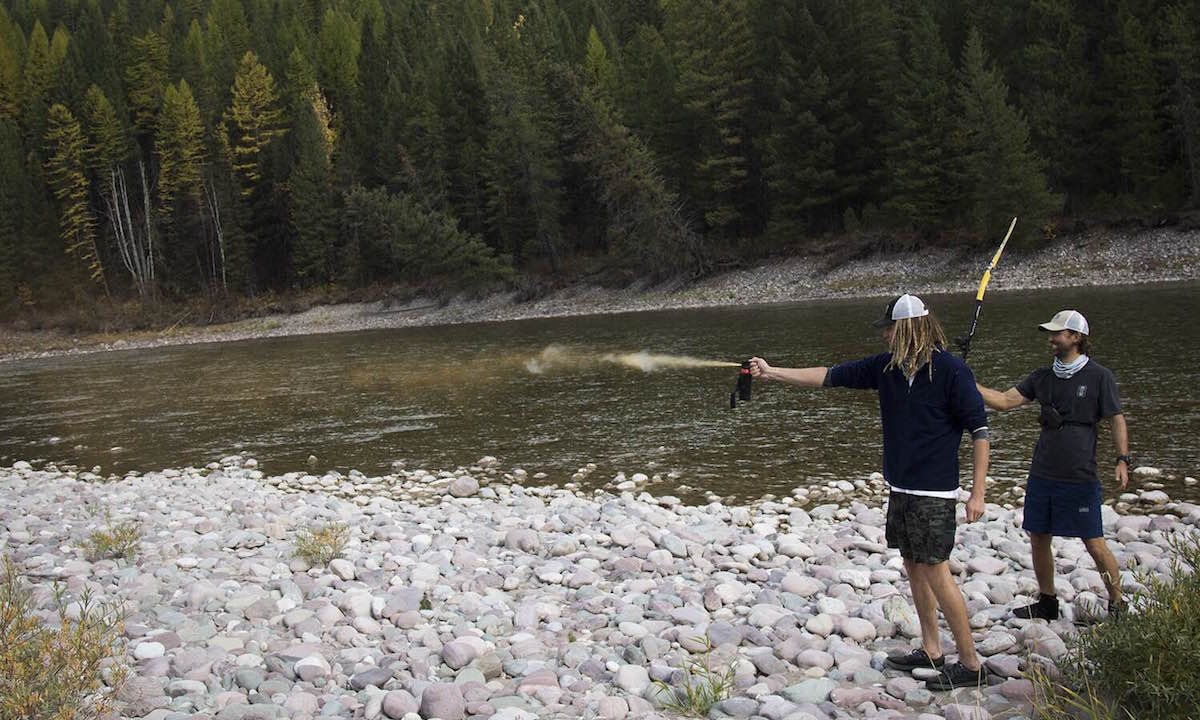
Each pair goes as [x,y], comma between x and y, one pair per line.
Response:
[248,678]
[766,662]
[814,690]
[522,539]
[774,707]
[464,486]
[738,707]
[342,568]
[398,703]
[311,667]
[960,711]
[444,701]
[141,695]
[376,676]
[612,708]
[633,679]
[457,654]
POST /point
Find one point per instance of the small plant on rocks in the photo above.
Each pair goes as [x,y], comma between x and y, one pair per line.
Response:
[1145,663]
[702,687]
[321,545]
[113,541]
[60,670]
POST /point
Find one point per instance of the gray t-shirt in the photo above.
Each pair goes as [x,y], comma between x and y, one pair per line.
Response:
[1068,453]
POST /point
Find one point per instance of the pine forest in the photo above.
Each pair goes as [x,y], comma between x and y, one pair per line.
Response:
[155,151]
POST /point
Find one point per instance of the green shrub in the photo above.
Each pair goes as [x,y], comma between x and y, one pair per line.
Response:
[113,541]
[54,673]
[320,546]
[1143,664]
[702,688]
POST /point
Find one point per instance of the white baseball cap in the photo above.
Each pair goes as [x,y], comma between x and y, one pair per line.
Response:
[1066,320]
[902,308]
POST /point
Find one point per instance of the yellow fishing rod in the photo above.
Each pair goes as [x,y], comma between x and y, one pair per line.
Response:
[964,343]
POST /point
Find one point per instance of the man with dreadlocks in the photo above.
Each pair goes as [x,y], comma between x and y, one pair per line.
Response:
[927,400]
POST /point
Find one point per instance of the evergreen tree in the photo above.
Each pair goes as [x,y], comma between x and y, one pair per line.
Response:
[1133,129]
[37,78]
[227,40]
[598,69]
[194,66]
[14,211]
[338,45]
[860,58]
[1051,79]
[12,50]
[106,138]
[71,187]
[253,120]
[801,175]
[647,102]
[920,184]
[1182,51]
[712,49]
[310,190]
[1001,176]
[96,59]
[146,79]
[522,179]
[180,145]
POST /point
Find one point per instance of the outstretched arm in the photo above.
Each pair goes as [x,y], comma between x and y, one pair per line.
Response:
[1007,400]
[805,377]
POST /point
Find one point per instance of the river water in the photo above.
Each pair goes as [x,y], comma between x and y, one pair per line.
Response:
[552,395]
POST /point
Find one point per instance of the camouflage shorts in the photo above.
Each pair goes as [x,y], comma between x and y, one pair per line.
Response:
[921,528]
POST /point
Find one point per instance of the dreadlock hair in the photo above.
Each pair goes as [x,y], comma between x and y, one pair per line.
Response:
[914,341]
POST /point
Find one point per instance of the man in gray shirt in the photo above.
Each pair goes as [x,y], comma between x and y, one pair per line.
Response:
[1063,495]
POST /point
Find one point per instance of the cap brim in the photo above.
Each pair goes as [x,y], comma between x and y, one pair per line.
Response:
[1051,327]
[882,323]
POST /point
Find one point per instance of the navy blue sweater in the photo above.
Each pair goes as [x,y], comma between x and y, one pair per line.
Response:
[923,423]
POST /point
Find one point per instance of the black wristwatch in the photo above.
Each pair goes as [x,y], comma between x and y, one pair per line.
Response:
[1127,459]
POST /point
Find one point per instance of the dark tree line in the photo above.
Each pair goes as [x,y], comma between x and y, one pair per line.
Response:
[155,149]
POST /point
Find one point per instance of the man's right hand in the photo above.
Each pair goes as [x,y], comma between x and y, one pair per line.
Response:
[759,369]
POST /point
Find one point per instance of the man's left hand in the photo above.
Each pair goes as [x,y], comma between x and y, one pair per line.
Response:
[1122,474]
[975,506]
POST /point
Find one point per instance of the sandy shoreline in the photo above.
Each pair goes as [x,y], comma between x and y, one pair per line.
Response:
[1098,257]
[463,594]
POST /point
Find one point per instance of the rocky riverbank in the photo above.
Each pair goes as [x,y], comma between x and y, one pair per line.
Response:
[467,595]
[1097,257]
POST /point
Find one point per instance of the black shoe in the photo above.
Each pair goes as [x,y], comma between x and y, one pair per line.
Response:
[913,660]
[1046,608]
[956,675]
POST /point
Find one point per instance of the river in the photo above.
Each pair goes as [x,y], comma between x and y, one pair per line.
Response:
[551,395]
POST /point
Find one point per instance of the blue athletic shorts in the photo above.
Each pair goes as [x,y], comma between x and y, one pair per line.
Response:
[1063,509]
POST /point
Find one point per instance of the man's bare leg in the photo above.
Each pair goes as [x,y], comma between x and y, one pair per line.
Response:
[927,608]
[950,598]
[1107,565]
[1043,561]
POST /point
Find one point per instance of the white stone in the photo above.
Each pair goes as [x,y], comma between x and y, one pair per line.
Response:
[802,585]
[342,568]
[148,650]
[858,629]
[633,679]
[821,624]
[313,666]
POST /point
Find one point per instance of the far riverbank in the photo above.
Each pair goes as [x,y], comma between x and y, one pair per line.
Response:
[1097,257]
